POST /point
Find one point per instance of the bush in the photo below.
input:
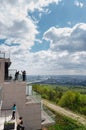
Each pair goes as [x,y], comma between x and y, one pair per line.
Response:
[83,110]
[9,125]
[44,96]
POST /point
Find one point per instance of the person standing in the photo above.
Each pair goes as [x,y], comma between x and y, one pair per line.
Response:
[16,75]
[24,75]
[13,111]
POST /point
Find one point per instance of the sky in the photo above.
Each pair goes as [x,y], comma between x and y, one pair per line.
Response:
[44,37]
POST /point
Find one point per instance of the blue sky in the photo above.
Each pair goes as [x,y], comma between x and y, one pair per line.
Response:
[44,36]
[63,15]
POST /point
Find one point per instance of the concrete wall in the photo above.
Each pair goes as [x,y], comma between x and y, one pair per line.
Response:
[2,68]
[2,64]
[15,92]
[31,116]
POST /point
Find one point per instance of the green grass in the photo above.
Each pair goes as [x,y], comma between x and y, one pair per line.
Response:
[54,93]
[65,123]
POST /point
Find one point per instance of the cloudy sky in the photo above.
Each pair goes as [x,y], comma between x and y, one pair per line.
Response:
[44,36]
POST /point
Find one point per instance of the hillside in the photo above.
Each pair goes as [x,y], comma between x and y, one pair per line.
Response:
[59,80]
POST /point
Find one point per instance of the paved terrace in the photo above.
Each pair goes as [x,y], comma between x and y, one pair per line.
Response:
[6,115]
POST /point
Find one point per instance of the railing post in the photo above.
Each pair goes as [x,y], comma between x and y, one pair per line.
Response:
[5,115]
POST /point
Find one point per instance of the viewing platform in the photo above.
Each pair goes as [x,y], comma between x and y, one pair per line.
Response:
[14,89]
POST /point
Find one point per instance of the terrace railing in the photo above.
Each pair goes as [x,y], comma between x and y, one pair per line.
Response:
[32,96]
[4,54]
[6,122]
[0,97]
[48,118]
[51,114]
[12,75]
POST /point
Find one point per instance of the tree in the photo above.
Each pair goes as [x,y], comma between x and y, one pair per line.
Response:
[69,99]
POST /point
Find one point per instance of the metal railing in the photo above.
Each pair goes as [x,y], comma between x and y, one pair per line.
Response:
[32,96]
[48,118]
[0,97]
[5,54]
[6,118]
[36,96]
[12,75]
[50,113]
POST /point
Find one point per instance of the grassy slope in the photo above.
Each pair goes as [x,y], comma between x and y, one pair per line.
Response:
[62,122]
[65,123]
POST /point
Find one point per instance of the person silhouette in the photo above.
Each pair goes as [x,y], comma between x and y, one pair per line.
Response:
[20,125]
[16,75]
[24,75]
[13,111]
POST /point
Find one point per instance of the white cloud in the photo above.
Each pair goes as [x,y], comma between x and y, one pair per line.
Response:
[69,45]
[40,4]
[66,55]
[67,52]
[78,4]
[15,24]
[17,27]
[69,23]
[70,39]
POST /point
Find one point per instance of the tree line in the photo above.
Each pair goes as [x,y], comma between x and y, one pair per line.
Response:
[69,99]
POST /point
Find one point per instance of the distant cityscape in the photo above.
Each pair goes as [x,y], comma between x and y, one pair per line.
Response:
[76,80]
